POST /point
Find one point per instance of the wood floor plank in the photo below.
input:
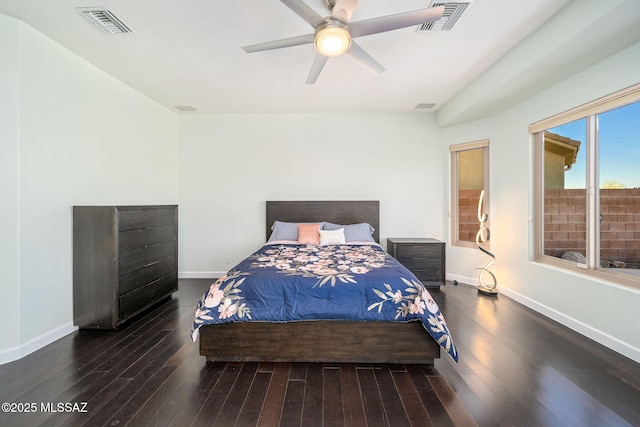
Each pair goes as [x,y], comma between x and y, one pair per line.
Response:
[94,403]
[352,402]
[162,395]
[128,410]
[510,396]
[393,408]
[428,396]
[372,401]
[71,395]
[237,396]
[42,378]
[169,340]
[452,404]
[413,407]
[293,401]
[218,395]
[274,400]
[332,397]
[312,407]
[155,361]
[187,401]
[250,413]
[572,405]
[131,353]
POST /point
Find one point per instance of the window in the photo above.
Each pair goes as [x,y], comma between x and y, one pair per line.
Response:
[587,191]
[469,177]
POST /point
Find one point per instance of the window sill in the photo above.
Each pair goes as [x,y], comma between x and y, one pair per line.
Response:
[605,275]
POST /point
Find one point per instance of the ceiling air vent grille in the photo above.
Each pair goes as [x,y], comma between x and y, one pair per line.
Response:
[425,106]
[106,20]
[452,12]
[184,108]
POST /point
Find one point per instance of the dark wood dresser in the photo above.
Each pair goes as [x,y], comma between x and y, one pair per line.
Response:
[125,259]
[423,257]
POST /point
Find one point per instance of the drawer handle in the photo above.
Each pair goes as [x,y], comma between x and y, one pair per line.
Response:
[150,246]
[152,263]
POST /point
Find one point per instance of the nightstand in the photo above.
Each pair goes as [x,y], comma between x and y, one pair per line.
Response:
[423,257]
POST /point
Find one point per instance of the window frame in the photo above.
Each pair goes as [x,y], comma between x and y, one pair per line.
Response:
[590,112]
[454,214]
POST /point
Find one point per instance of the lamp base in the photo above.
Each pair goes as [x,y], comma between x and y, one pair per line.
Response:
[486,291]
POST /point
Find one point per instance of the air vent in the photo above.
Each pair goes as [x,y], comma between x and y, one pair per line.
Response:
[106,20]
[452,12]
[184,108]
[425,106]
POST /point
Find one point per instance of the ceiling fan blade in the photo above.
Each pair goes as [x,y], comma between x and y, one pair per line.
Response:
[316,68]
[359,54]
[279,44]
[305,12]
[343,9]
[393,22]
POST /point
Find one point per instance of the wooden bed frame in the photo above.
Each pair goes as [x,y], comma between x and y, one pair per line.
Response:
[320,340]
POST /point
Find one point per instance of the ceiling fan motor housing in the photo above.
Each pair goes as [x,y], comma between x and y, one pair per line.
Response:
[332,38]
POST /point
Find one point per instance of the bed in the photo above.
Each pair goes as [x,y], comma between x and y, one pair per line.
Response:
[235,322]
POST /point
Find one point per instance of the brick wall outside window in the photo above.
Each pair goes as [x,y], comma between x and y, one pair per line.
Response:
[468,214]
[565,224]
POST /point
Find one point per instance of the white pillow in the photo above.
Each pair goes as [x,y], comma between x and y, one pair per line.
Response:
[332,237]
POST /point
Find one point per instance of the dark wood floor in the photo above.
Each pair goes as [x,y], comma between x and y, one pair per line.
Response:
[516,368]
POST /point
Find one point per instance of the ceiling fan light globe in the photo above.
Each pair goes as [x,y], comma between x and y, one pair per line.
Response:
[332,41]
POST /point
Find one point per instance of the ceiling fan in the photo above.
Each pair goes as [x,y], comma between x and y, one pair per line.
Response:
[333,35]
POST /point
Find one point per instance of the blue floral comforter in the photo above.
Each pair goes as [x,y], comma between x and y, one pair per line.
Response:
[293,282]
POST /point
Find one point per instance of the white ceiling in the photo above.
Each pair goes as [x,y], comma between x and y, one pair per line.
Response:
[189,52]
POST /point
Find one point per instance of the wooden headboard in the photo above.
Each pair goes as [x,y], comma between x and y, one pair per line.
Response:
[338,212]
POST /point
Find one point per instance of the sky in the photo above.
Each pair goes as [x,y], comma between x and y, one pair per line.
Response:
[619,151]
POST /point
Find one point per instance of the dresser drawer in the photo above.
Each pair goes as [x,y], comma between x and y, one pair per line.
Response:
[145,256]
[134,301]
[141,218]
[142,276]
[144,237]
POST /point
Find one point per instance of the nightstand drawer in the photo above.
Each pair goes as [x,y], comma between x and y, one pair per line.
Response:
[431,263]
[418,251]
[428,275]
[425,258]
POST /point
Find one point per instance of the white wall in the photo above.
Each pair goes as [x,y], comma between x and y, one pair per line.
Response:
[74,136]
[231,164]
[604,311]
[9,157]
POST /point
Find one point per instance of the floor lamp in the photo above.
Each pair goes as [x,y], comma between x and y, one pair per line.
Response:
[482,236]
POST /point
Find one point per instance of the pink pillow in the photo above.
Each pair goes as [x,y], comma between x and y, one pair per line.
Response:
[308,234]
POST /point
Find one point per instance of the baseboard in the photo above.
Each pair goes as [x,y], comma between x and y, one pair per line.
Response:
[200,274]
[462,279]
[37,343]
[598,336]
[571,323]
